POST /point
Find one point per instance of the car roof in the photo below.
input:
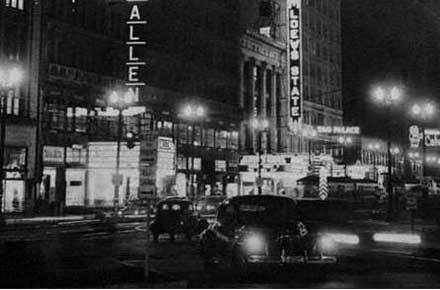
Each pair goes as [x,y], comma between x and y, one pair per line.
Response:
[254,198]
[176,199]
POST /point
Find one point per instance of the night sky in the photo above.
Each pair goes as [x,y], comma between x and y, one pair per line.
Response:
[389,41]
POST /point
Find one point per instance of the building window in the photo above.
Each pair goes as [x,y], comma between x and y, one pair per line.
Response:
[17,4]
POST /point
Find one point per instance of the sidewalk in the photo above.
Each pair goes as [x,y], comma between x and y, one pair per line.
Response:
[47,219]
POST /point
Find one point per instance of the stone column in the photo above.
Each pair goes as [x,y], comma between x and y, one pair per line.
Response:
[273,113]
[263,105]
[252,101]
[243,117]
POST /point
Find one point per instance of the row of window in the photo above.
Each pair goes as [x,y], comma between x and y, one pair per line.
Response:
[323,51]
[318,119]
[81,121]
[17,4]
[329,8]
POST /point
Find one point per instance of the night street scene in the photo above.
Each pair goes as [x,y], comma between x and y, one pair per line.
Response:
[219,144]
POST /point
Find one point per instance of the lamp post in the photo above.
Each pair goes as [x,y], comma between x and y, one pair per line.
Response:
[345,141]
[193,113]
[260,125]
[309,133]
[388,96]
[10,78]
[423,112]
[120,101]
[375,148]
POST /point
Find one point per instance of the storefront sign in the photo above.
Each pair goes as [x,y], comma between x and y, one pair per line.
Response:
[294,36]
[220,165]
[338,130]
[414,136]
[53,154]
[432,137]
[135,44]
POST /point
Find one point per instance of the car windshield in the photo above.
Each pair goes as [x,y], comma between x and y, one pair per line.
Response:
[264,211]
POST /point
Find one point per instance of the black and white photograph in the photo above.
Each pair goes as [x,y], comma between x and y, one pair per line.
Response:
[174,144]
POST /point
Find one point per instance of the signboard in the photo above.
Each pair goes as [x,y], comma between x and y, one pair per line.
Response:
[157,164]
[432,137]
[53,154]
[414,136]
[294,36]
[135,44]
[338,130]
[147,165]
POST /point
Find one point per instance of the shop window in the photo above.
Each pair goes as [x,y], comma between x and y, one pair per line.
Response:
[17,4]
[183,134]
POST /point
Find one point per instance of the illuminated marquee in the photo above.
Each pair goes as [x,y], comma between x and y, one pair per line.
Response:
[135,24]
[294,36]
[338,130]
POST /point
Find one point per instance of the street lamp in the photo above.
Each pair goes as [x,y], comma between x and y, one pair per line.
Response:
[120,101]
[345,141]
[423,112]
[309,133]
[260,125]
[388,96]
[10,78]
[193,113]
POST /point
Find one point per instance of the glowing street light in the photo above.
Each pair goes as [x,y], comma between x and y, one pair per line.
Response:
[388,96]
[423,112]
[260,125]
[120,101]
[193,112]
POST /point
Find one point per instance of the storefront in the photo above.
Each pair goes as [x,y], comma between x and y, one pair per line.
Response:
[14,182]
[63,180]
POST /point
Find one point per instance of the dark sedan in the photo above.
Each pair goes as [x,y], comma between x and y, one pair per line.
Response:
[260,230]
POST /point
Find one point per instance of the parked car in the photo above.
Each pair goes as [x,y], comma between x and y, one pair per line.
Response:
[177,215]
[207,205]
[262,230]
[137,208]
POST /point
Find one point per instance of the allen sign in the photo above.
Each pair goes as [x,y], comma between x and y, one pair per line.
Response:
[135,24]
[294,36]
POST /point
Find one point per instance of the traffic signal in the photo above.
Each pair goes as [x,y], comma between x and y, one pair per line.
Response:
[130,138]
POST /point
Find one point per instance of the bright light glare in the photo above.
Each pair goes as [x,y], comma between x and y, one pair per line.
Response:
[344,238]
[397,238]
[254,244]
[200,112]
[187,111]
[265,123]
[416,110]
[395,94]
[114,97]
[327,243]
[349,140]
[15,76]
[429,109]
[379,94]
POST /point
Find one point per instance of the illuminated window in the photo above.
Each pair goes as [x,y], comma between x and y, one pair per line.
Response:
[17,4]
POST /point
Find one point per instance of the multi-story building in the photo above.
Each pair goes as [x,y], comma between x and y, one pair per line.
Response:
[19,103]
[192,57]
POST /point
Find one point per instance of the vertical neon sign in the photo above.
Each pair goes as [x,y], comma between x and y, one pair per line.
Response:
[295,55]
[135,42]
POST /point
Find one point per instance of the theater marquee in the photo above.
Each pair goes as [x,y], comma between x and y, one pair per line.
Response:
[294,36]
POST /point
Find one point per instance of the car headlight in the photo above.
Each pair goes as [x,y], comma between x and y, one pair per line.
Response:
[397,238]
[329,241]
[199,207]
[136,212]
[210,207]
[254,244]
[350,239]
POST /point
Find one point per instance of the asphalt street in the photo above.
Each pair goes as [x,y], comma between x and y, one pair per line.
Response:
[99,255]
